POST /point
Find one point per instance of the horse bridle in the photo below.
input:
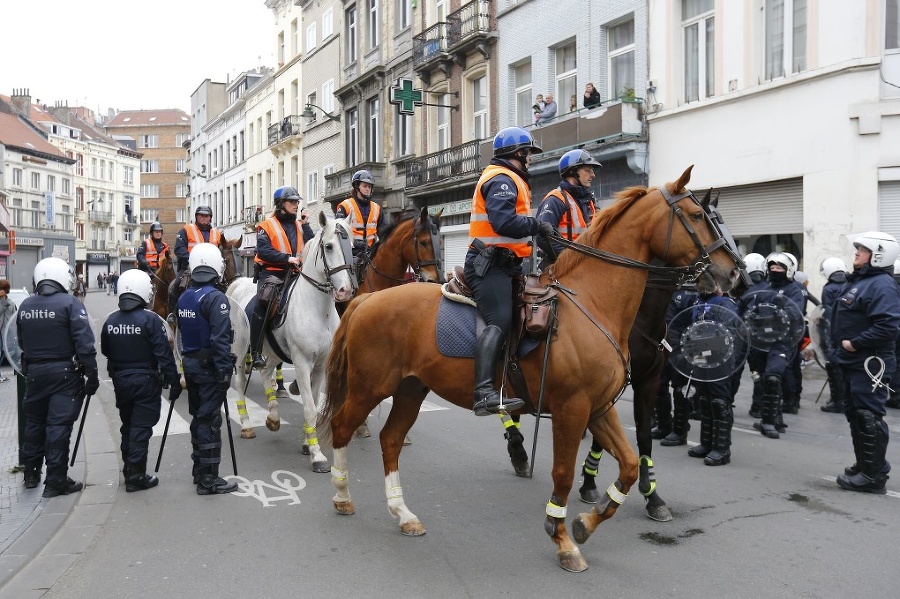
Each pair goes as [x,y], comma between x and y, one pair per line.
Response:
[327,286]
[418,227]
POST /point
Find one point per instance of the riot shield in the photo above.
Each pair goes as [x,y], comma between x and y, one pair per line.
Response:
[819,335]
[11,344]
[774,320]
[709,342]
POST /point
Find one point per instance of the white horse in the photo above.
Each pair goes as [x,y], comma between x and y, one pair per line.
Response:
[305,337]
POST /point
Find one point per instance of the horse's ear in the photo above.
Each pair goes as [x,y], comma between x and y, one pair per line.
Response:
[684,179]
[323,220]
[715,202]
[423,215]
[705,201]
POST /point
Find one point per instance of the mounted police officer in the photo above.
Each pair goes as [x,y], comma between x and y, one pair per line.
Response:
[136,344]
[200,231]
[835,272]
[149,252]
[205,324]
[279,241]
[865,323]
[500,224]
[60,362]
[366,217]
[570,207]
[780,293]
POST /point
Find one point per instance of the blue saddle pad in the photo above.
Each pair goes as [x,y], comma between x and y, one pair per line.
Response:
[456,328]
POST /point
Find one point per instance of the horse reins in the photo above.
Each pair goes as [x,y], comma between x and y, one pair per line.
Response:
[417,267]
[326,286]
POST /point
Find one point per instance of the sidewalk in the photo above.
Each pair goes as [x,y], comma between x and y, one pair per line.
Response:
[41,538]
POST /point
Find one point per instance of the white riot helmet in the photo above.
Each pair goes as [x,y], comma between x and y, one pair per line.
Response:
[787,261]
[884,247]
[755,263]
[56,270]
[137,283]
[206,263]
[833,265]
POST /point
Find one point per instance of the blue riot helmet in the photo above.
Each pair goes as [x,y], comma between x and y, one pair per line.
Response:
[511,140]
[572,160]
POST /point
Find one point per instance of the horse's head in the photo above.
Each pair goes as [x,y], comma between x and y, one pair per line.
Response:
[689,233]
[328,259]
[426,247]
[230,251]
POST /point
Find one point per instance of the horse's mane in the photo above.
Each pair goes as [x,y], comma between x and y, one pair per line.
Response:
[603,219]
[385,233]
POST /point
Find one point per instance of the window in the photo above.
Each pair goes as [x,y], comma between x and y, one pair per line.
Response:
[352,146]
[79,164]
[892,25]
[785,37]
[328,96]
[149,141]
[374,24]
[128,235]
[67,187]
[180,190]
[327,23]
[149,166]
[79,231]
[311,99]
[281,49]
[179,165]
[180,138]
[524,101]
[403,127]
[148,215]
[312,187]
[94,171]
[698,23]
[373,135]
[621,59]
[566,66]
[35,180]
[181,215]
[128,174]
[479,108]
[150,191]
[311,37]
[404,14]
[443,122]
[51,183]
[17,177]
[351,35]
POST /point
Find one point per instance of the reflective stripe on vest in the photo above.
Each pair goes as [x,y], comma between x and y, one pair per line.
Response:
[579,225]
[480,226]
[195,236]
[356,220]
[279,241]
[150,252]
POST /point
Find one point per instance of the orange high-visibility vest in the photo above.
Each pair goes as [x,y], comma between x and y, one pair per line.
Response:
[480,226]
[195,236]
[367,229]
[279,241]
[150,253]
[578,222]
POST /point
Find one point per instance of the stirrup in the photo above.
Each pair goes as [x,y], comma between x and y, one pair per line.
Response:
[259,361]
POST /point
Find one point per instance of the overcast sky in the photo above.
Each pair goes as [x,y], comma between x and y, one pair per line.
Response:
[129,55]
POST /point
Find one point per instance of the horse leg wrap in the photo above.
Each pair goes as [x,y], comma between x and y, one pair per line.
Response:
[553,524]
[270,395]
[311,438]
[615,495]
[592,463]
[242,408]
[647,480]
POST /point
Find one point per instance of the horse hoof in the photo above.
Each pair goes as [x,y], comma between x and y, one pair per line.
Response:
[571,561]
[660,513]
[521,468]
[294,388]
[281,393]
[345,508]
[272,424]
[412,528]
[248,433]
[580,533]
[363,432]
[321,467]
[591,496]
[304,450]
[407,441]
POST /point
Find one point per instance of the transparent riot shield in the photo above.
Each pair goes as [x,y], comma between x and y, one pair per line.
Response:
[819,335]
[709,342]
[774,320]
[11,344]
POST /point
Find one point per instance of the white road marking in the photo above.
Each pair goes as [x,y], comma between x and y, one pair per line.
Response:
[427,406]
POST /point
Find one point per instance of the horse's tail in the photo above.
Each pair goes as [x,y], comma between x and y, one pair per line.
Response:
[336,370]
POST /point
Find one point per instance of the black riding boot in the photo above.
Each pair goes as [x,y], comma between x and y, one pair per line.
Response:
[32,473]
[680,424]
[871,458]
[723,419]
[835,404]
[663,412]
[771,400]
[706,429]
[487,353]
[138,479]
[257,326]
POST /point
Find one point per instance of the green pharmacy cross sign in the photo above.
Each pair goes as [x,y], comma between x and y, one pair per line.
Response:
[405,97]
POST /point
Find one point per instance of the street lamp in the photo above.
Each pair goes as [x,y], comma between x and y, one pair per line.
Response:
[192,173]
[310,114]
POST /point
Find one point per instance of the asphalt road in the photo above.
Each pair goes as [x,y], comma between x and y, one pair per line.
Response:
[773,523]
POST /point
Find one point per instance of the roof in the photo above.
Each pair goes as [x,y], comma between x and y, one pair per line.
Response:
[14,132]
[144,118]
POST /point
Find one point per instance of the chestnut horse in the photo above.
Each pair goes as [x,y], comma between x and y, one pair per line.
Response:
[162,277]
[587,370]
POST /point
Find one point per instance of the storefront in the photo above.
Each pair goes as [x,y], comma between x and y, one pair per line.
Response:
[97,263]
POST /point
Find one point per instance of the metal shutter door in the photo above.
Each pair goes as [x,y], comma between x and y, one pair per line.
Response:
[764,209]
[456,244]
[889,207]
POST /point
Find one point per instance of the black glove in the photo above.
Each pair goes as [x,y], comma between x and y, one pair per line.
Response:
[91,384]
[175,392]
[545,229]
[359,245]
[225,380]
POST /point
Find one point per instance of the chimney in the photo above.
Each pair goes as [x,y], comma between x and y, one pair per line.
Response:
[21,100]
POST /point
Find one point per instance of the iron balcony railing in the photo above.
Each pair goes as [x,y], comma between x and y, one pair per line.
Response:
[289,126]
[430,44]
[459,160]
[98,216]
[472,19]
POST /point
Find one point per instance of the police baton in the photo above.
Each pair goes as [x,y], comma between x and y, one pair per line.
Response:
[230,437]
[87,402]
[162,444]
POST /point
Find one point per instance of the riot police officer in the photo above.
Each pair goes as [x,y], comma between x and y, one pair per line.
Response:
[756,268]
[60,363]
[136,344]
[147,258]
[500,223]
[569,207]
[835,272]
[674,417]
[366,217]
[279,241]
[205,325]
[865,323]
[200,231]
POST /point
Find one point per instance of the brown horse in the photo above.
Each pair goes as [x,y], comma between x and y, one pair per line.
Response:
[587,367]
[162,277]
[415,243]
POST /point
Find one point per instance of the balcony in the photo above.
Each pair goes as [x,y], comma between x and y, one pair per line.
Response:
[457,161]
[448,42]
[430,46]
[253,215]
[98,216]
[289,128]
[337,184]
